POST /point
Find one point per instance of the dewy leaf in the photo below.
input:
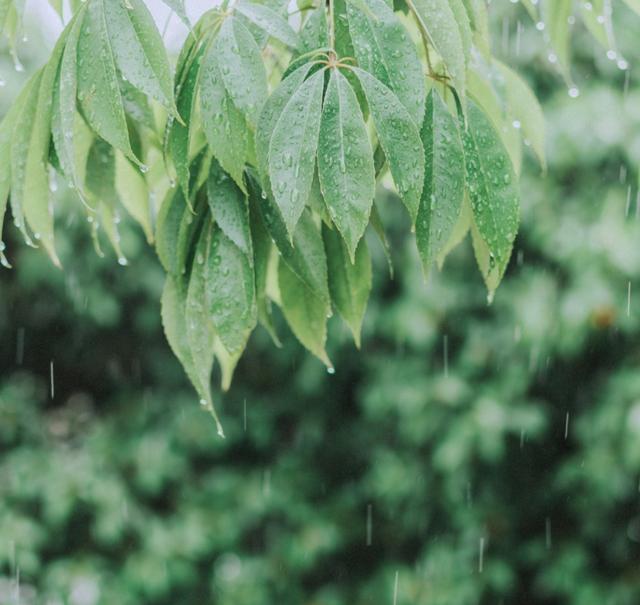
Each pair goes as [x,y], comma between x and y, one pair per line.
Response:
[349,282]
[493,193]
[269,21]
[98,88]
[555,14]
[229,208]
[306,257]
[223,123]
[64,104]
[443,190]
[399,138]
[438,21]
[138,49]
[230,291]
[177,6]
[384,48]
[345,161]
[242,68]
[305,313]
[292,150]
[314,33]
[174,321]
[270,114]
[464,25]
[459,232]
[525,109]
[6,131]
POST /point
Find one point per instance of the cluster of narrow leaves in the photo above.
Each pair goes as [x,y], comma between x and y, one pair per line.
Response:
[265,149]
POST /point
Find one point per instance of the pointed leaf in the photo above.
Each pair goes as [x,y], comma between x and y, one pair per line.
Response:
[224,124]
[230,291]
[314,33]
[399,138]
[133,193]
[384,48]
[345,161]
[555,15]
[242,68]
[177,6]
[138,49]
[292,150]
[98,87]
[305,313]
[269,21]
[229,208]
[443,190]
[492,190]
[349,282]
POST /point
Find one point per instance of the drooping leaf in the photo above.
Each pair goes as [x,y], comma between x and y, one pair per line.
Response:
[242,68]
[177,6]
[292,149]
[459,231]
[526,109]
[270,114]
[230,291]
[269,21]
[384,48]
[443,190]
[493,192]
[6,131]
[98,87]
[229,208]
[174,321]
[305,313]
[438,22]
[224,124]
[555,14]
[345,161]
[349,281]
[399,138]
[138,49]
[464,25]
[133,193]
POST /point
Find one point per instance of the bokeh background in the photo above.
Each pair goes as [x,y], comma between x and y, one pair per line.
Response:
[469,454]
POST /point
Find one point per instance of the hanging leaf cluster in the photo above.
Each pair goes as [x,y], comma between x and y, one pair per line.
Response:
[253,165]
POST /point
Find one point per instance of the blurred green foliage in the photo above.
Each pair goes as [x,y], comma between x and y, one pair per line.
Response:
[484,454]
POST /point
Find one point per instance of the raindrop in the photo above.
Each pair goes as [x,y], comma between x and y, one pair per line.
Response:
[331,370]
[547,532]
[540,26]
[481,556]
[516,124]
[122,261]
[622,64]
[369,523]
[629,299]
[445,355]
[574,92]
[395,589]
[566,426]
[612,55]
[52,388]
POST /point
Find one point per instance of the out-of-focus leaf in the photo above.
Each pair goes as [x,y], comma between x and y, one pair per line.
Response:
[269,21]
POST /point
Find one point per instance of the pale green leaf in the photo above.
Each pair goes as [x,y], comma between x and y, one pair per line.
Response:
[493,192]
[443,181]
[133,193]
[292,149]
[459,231]
[314,33]
[269,21]
[138,49]
[230,291]
[399,138]
[345,161]
[555,14]
[242,68]
[305,313]
[464,25]
[385,49]
[177,6]
[349,281]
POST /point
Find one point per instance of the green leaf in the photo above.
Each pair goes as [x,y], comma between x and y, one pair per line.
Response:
[6,131]
[556,15]
[306,257]
[138,49]
[385,49]
[64,104]
[98,86]
[305,313]
[493,193]
[292,149]
[525,108]
[269,21]
[133,193]
[270,114]
[459,232]
[224,124]
[464,25]
[439,23]
[349,281]
[177,6]
[345,161]
[242,68]
[229,208]
[634,5]
[314,33]
[443,190]
[230,291]
[178,136]
[399,138]
[174,321]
